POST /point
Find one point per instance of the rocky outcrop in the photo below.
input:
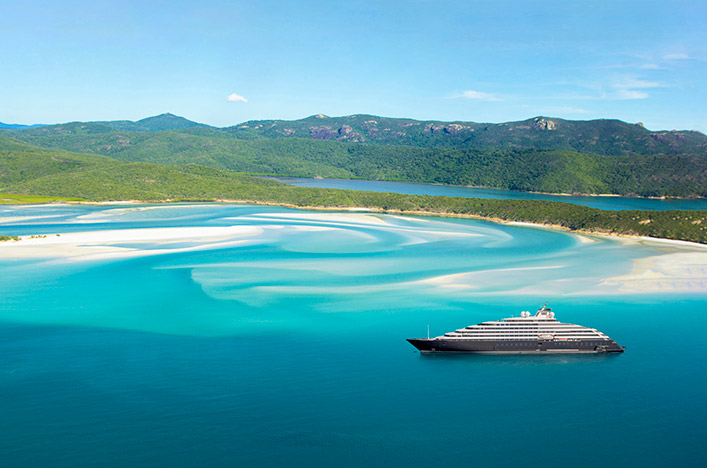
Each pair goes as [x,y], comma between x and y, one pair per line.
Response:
[344,133]
[323,132]
[450,129]
[541,123]
[453,129]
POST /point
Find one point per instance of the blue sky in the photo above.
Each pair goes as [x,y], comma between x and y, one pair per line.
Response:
[483,61]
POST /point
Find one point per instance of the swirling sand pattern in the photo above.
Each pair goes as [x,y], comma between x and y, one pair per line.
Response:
[210,269]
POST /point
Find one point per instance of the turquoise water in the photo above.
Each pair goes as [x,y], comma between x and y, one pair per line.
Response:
[276,337]
[413,188]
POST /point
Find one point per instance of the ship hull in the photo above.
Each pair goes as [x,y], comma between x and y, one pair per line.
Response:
[441,345]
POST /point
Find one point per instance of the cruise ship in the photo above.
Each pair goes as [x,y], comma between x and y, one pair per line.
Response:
[527,334]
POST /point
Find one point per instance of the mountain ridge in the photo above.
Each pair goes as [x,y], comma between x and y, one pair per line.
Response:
[597,136]
[8,126]
[540,154]
[155,123]
[42,174]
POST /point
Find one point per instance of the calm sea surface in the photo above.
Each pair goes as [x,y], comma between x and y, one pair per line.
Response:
[225,335]
[413,188]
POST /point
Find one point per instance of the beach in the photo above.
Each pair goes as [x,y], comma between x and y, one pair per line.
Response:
[666,267]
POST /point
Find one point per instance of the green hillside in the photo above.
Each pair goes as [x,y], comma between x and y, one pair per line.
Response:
[157,123]
[602,137]
[32,171]
[554,171]
[605,137]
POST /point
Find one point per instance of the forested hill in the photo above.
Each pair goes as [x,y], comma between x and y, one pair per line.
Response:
[605,136]
[528,156]
[608,137]
[27,171]
[6,126]
[524,169]
[157,123]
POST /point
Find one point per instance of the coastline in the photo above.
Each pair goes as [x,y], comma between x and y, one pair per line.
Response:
[556,227]
[658,265]
[481,187]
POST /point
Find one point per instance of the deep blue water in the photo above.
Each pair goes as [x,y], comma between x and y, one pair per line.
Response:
[288,349]
[414,188]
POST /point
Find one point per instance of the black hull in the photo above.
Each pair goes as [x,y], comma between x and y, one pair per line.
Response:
[441,345]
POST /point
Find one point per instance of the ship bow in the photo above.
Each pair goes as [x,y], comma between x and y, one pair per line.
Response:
[423,344]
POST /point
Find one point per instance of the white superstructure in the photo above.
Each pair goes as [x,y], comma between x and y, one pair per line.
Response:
[541,326]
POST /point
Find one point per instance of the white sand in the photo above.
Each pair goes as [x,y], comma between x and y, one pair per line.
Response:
[524,224]
[359,209]
[100,216]
[471,279]
[415,235]
[105,244]
[679,267]
[585,239]
[656,242]
[17,219]
[673,272]
[348,218]
[677,272]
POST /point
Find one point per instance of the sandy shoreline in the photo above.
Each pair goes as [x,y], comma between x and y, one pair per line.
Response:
[562,194]
[668,266]
[556,227]
[672,272]
[92,245]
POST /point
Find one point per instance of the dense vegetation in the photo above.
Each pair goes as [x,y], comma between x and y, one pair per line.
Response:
[15,199]
[603,136]
[525,169]
[29,170]
[607,137]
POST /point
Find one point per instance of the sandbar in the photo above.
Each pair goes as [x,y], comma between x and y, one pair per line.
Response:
[684,272]
[123,242]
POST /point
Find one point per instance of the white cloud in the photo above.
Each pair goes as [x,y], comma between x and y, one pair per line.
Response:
[638,83]
[236,98]
[569,110]
[477,96]
[630,88]
[678,56]
[630,94]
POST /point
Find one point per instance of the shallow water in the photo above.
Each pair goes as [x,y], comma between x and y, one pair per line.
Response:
[282,343]
[415,188]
